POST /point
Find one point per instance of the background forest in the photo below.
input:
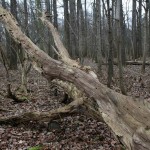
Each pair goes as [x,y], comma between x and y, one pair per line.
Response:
[109,38]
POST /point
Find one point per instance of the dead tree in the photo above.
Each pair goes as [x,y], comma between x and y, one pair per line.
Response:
[128,118]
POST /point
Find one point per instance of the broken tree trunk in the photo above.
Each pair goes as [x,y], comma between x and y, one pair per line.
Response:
[128,118]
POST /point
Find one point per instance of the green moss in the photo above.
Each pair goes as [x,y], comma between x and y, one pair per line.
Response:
[24,98]
[35,148]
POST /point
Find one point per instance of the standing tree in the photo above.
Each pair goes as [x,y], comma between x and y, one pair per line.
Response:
[6,34]
[66,26]
[110,40]
[134,29]
[94,32]
[73,29]
[98,35]
[139,29]
[146,36]
[122,26]
[55,13]
[119,44]
[81,30]
[85,26]
[48,6]
[14,46]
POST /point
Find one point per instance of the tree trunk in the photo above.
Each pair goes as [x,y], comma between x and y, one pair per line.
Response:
[50,42]
[98,35]
[146,44]
[94,32]
[13,45]
[73,29]
[55,13]
[110,40]
[139,29]
[122,27]
[81,30]
[129,119]
[119,44]
[66,26]
[6,34]
[26,18]
[134,28]
[38,24]
[86,31]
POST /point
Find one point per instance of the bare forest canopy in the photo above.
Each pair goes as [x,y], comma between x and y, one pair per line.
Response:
[31,35]
[82,24]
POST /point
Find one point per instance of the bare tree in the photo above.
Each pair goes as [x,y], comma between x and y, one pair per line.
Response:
[66,25]
[119,43]
[14,46]
[73,29]
[110,39]
[48,6]
[81,30]
[139,29]
[134,16]
[85,14]
[146,36]
[122,26]
[55,13]
[98,35]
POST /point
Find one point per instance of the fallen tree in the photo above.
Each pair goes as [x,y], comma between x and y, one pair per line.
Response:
[130,63]
[128,118]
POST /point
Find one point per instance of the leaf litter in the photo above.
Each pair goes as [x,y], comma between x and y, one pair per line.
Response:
[74,132]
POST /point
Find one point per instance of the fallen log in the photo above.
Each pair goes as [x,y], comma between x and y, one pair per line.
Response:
[42,116]
[129,119]
[130,63]
[136,63]
[72,91]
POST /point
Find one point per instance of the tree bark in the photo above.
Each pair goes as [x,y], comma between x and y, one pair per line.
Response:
[50,42]
[55,13]
[134,29]
[13,45]
[146,44]
[110,40]
[122,28]
[81,30]
[66,25]
[119,44]
[73,29]
[139,29]
[98,35]
[129,119]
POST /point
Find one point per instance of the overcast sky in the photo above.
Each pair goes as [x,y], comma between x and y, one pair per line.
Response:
[127,6]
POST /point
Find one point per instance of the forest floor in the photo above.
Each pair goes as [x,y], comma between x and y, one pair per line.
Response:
[75,132]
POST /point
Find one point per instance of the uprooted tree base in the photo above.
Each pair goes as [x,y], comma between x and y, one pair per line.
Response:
[128,119]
